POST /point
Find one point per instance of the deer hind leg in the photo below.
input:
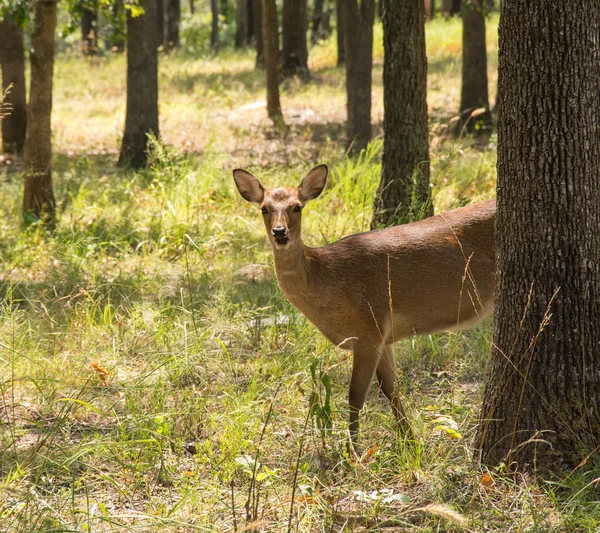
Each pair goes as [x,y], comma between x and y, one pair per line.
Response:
[386,376]
[364,363]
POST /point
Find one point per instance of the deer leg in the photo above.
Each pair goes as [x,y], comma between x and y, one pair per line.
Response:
[364,362]
[386,376]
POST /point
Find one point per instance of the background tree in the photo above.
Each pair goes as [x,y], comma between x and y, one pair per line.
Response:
[295,50]
[38,195]
[258,35]
[317,18]
[404,192]
[12,62]
[270,33]
[89,20]
[241,23]
[339,15]
[358,45]
[141,116]
[542,399]
[429,9]
[474,89]
[214,32]
[173,18]
[160,23]
[451,7]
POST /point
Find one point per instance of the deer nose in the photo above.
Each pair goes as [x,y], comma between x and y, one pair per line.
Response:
[279,231]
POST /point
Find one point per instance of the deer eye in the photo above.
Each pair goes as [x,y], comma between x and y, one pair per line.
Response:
[298,208]
[264,210]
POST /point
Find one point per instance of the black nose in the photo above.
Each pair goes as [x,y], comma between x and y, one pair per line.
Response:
[279,232]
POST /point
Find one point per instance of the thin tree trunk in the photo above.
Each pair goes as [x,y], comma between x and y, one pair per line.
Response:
[271,49]
[38,195]
[225,10]
[89,34]
[339,14]
[241,23]
[295,50]
[117,37]
[358,44]
[192,7]
[141,116]
[404,192]
[214,34]
[173,20]
[451,7]
[474,102]
[258,34]
[160,23]
[541,408]
[12,62]
[250,24]
[429,9]
[317,18]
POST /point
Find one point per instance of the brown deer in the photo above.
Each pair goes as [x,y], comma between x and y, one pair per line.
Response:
[369,290]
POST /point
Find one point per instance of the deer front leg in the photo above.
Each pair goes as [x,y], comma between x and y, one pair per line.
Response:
[364,362]
[386,375]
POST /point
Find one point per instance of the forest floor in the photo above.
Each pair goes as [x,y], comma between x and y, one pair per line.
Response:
[152,375]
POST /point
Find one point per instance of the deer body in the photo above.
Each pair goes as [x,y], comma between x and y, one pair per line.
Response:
[369,290]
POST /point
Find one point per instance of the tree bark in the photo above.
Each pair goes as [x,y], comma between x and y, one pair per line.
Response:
[404,191]
[339,14]
[271,48]
[12,62]
[358,44]
[429,9]
[258,34]
[141,116]
[295,50]
[241,23]
[160,23]
[214,33]
[541,407]
[474,90]
[173,20]
[38,195]
[89,35]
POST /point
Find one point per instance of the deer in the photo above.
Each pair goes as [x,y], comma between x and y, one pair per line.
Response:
[366,291]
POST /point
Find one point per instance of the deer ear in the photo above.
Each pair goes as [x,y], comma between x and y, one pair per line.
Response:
[249,187]
[313,183]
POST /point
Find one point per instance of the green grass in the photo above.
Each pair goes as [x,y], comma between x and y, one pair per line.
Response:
[147,383]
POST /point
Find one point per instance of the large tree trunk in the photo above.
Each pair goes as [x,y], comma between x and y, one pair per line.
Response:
[541,407]
[404,192]
[214,33]
[258,34]
[295,51]
[141,116]
[241,23]
[474,102]
[339,15]
[271,48]
[38,195]
[89,34]
[12,62]
[173,20]
[358,44]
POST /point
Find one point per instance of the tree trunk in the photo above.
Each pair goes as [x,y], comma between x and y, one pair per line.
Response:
[241,23]
[271,48]
[214,33]
[250,24]
[258,34]
[160,23]
[38,195]
[451,7]
[141,116]
[339,14]
[541,407]
[173,19]
[192,8]
[317,17]
[12,62]
[89,34]
[404,191]
[117,34]
[429,9]
[474,114]
[225,10]
[358,44]
[295,51]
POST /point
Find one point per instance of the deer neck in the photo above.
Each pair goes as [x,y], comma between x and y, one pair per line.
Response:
[292,267]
